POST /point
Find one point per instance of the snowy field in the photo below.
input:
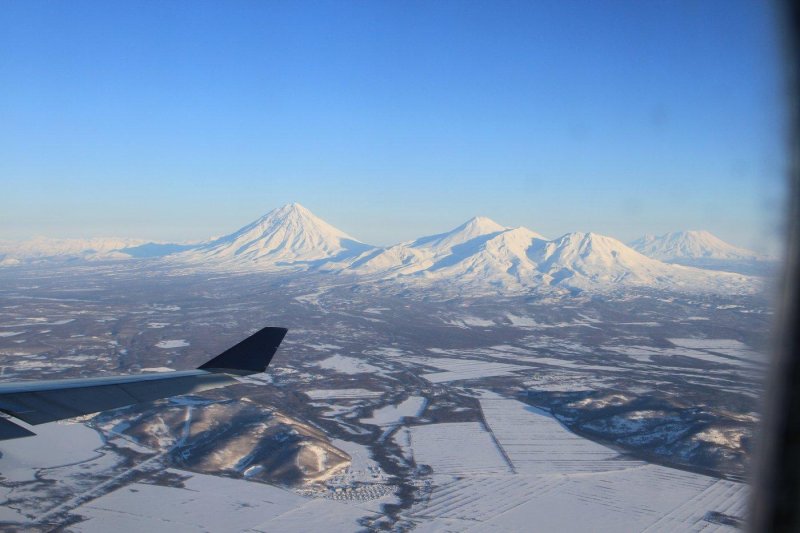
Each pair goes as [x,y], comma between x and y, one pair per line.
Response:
[551,361]
[455,448]
[169,344]
[537,443]
[56,444]
[462,369]
[347,365]
[211,503]
[722,352]
[393,414]
[730,347]
[528,473]
[342,394]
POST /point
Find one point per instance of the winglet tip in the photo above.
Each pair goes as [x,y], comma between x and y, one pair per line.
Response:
[252,355]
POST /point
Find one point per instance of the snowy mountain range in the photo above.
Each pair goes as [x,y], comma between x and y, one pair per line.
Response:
[517,258]
[479,254]
[43,248]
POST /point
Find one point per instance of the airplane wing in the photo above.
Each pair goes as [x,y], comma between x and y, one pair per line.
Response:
[37,402]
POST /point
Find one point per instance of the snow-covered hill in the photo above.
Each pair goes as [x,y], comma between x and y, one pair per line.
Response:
[288,236]
[701,249]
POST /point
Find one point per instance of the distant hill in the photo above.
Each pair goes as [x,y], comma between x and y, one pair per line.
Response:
[702,249]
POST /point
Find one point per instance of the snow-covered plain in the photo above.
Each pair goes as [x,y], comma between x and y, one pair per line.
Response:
[344,394]
[211,503]
[435,445]
[56,444]
[536,443]
[721,351]
[528,473]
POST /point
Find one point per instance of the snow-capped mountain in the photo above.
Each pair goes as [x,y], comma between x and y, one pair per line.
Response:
[582,260]
[431,252]
[497,259]
[443,243]
[289,235]
[42,248]
[690,245]
[594,258]
[476,256]
[520,259]
[701,249]
[483,254]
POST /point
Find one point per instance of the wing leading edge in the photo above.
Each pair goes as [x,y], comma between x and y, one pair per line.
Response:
[37,402]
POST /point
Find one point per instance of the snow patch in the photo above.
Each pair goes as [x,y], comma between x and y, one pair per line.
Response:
[394,414]
[169,344]
[347,365]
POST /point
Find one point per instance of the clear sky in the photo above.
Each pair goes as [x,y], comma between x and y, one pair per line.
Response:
[181,120]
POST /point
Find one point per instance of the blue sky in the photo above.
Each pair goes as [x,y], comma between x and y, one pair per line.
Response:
[181,120]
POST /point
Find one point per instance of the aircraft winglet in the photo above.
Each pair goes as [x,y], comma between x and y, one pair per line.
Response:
[250,356]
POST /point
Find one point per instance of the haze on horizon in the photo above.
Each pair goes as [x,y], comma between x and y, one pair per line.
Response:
[390,121]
